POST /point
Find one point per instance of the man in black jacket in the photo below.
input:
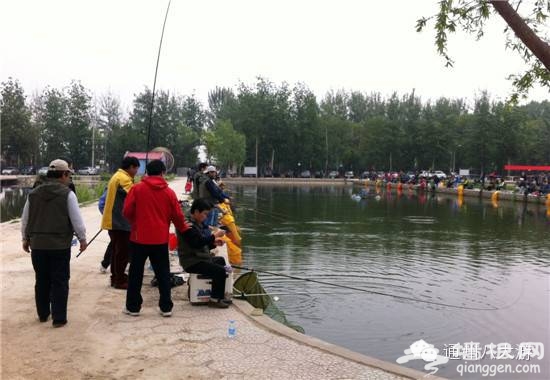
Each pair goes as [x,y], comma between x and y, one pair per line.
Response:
[194,247]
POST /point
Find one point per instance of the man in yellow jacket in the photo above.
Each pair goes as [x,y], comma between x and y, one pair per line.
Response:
[119,228]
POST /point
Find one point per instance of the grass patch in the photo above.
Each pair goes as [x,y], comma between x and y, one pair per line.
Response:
[86,193]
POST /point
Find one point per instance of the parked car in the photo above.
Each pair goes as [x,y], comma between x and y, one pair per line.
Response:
[349,175]
[365,174]
[43,170]
[333,174]
[439,174]
[28,170]
[319,174]
[10,170]
[410,176]
[87,170]
[305,174]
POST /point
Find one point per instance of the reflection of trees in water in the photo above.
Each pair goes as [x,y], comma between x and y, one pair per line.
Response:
[12,203]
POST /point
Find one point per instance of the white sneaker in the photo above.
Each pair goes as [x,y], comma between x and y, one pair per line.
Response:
[165,314]
[102,269]
[132,313]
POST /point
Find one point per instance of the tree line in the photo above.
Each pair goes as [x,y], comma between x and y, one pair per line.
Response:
[276,127]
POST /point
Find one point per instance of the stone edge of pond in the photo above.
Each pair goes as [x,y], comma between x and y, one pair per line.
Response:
[278,328]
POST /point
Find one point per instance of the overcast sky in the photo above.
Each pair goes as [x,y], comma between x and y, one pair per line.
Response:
[364,45]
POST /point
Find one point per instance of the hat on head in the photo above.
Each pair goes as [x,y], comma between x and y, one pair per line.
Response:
[59,166]
[210,169]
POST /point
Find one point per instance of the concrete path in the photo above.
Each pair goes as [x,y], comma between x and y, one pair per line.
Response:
[100,342]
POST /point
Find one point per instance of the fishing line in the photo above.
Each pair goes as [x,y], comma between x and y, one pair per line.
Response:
[155,85]
[492,308]
[265,214]
[265,210]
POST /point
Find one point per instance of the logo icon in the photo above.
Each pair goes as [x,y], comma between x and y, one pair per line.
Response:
[425,351]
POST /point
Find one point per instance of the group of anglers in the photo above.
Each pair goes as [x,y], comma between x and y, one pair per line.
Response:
[138,218]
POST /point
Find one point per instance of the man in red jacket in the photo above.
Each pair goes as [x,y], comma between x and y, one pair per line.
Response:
[150,207]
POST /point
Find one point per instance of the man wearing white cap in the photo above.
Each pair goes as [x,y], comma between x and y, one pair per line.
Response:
[50,218]
[210,191]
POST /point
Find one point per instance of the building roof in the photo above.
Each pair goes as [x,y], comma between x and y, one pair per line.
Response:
[150,156]
[540,168]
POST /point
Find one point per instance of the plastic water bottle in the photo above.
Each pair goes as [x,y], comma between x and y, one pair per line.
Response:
[74,242]
[231,330]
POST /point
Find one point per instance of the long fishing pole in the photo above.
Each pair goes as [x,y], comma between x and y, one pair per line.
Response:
[155,86]
[492,308]
[91,240]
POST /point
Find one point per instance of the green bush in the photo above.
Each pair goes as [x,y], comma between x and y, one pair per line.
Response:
[87,193]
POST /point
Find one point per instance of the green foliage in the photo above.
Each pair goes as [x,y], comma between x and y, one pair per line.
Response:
[87,193]
[288,128]
[18,136]
[225,146]
[78,124]
[51,116]
[470,16]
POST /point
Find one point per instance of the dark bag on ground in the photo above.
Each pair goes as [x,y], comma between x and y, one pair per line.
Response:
[174,281]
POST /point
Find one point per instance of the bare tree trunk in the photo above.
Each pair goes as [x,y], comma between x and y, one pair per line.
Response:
[536,45]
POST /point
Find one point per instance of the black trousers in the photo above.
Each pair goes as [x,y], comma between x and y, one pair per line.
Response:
[52,273]
[158,255]
[214,269]
[107,256]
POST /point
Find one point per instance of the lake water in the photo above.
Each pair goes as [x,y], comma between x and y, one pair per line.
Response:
[12,201]
[489,265]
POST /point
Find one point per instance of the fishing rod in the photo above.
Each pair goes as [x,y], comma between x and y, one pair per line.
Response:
[492,308]
[151,108]
[155,85]
[90,242]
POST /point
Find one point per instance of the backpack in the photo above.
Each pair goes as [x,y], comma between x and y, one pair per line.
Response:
[101,202]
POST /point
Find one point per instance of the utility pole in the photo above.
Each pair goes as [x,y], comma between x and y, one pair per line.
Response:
[93,143]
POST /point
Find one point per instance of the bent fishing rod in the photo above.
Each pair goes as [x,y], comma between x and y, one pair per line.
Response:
[155,86]
[152,104]
[492,308]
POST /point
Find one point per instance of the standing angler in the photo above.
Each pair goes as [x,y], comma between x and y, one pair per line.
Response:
[50,217]
[150,207]
[119,229]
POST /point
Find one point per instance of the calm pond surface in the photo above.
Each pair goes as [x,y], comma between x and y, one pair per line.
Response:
[12,201]
[430,248]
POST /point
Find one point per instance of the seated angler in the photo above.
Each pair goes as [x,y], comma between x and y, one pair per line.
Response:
[194,247]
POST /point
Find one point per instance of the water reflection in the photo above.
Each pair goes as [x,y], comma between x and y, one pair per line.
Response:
[442,249]
[11,202]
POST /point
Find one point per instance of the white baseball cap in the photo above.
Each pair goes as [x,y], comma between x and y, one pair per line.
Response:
[59,166]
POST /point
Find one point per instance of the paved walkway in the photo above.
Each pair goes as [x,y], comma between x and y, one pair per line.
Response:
[100,342]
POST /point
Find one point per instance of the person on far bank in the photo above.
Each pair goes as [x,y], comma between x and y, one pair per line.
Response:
[194,247]
[210,190]
[119,229]
[150,207]
[50,217]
